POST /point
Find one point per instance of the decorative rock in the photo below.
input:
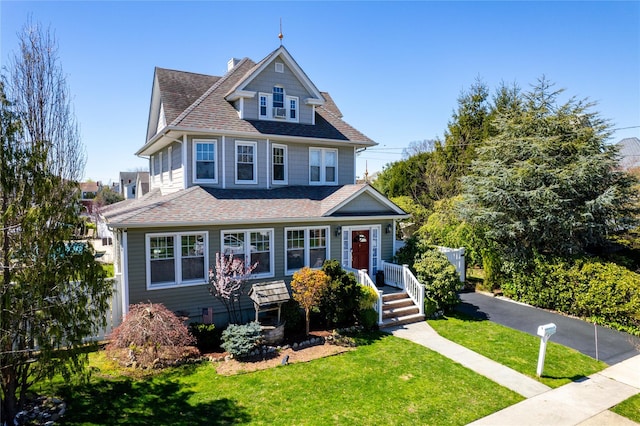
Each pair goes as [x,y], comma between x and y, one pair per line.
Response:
[295,345]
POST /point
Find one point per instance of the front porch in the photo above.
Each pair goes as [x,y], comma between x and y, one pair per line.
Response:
[400,300]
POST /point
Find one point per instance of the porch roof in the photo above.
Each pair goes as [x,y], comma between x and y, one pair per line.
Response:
[209,206]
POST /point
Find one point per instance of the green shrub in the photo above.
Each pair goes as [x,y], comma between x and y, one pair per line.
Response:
[600,291]
[207,336]
[293,317]
[439,277]
[368,297]
[409,253]
[430,307]
[369,319]
[240,340]
[341,302]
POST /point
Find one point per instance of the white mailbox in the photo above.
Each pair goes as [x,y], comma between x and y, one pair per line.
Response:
[544,331]
[547,330]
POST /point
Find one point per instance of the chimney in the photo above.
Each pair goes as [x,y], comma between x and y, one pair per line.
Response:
[232,63]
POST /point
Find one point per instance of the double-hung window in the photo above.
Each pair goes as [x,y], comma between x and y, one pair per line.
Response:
[279,163]
[306,247]
[252,247]
[175,259]
[246,168]
[204,161]
[323,166]
[264,106]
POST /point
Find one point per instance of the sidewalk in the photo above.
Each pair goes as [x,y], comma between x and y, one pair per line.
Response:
[579,403]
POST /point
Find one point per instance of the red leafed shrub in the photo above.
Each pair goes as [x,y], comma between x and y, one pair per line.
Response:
[151,336]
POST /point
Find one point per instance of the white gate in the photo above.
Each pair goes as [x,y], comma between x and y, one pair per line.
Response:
[456,257]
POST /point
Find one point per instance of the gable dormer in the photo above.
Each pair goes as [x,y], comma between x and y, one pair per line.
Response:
[276,89]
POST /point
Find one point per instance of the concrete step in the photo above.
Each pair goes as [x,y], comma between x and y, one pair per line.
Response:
[400,311]
[394,296]
[406,319]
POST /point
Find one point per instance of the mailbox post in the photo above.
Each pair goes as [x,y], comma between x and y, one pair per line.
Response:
[545,332]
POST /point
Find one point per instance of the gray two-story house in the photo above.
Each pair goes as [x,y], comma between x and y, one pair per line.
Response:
[258,163]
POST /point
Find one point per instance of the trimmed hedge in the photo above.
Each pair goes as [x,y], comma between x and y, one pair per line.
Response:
[600,291]
[440,279]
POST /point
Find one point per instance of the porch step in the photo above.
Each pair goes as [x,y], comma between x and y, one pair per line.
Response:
[400,311]
[406,319]
[387,297]
[397,309]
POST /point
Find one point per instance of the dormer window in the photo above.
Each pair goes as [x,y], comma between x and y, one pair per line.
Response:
[278,106]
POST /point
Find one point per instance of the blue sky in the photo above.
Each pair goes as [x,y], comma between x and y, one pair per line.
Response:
[395,69]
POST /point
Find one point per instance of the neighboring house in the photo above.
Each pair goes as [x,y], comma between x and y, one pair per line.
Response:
[88,191]
[133,184]
[257,163]
[629,153]
[128,185]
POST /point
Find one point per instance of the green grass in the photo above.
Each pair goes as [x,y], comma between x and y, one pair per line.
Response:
[108,268]
[629,408]
[387,381]
[517,350]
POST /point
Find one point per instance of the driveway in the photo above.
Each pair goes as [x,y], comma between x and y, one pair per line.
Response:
[612,346]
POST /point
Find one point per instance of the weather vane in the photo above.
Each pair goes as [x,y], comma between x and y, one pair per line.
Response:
[280,36]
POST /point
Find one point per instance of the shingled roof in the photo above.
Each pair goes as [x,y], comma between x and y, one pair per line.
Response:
[197,101]
[208,206]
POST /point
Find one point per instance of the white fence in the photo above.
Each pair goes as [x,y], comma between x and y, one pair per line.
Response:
[114,314]
[456,257]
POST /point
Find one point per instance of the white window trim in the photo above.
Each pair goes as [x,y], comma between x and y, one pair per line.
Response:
[177,250]
[307,249]
[346,247]
[323,170]
[288,100]
[153,169]
[169,154]
[255,162]
[287,107]
[194,143]
[285,181]
[279,67]
[247,248]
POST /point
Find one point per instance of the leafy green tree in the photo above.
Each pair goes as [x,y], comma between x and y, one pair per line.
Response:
[107,196]
[53,294]
[440,279]
[308,287]
[547,182]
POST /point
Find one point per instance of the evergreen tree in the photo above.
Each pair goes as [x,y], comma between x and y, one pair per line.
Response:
[53,293]
[547,182]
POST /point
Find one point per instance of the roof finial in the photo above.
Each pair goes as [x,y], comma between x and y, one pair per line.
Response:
[366,171]
[280,36]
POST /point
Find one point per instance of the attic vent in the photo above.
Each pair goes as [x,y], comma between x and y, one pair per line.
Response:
[279,67]
[232,63]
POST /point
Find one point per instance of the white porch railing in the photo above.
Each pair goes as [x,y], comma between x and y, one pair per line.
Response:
[364,279]
[414,289]
[400,276]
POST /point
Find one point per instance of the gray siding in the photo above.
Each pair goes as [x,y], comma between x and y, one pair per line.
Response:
[365,203]
[192,299]
[167,180]
[292,87]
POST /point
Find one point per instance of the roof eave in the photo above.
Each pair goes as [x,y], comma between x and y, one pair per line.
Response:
[146,149]
[332,219]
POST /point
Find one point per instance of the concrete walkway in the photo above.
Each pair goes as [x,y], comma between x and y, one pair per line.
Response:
[578,403]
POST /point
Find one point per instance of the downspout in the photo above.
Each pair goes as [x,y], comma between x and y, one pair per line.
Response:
[125,272]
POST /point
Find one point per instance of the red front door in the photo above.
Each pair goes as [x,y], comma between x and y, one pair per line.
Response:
[360,250]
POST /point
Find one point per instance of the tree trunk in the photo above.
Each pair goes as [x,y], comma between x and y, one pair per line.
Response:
[9,401]
[307,317]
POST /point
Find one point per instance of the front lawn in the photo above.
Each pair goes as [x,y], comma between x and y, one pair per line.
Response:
[629,408]
[387,381]
[516,349]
